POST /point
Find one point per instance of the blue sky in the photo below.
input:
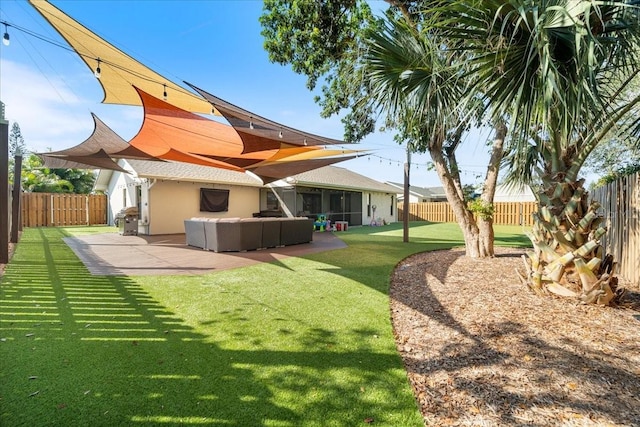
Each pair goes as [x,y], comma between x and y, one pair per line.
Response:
[215,45]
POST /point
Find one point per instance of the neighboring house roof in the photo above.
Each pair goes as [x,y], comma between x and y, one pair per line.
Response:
[328,176]
[337,177]
[423,192]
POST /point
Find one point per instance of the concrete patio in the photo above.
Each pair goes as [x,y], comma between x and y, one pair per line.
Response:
[112,254]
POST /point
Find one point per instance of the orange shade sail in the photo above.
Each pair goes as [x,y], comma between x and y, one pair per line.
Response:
[170,133]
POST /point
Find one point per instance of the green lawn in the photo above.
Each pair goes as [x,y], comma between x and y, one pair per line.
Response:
[299,342]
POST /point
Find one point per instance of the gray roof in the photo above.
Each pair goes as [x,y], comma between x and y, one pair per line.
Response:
[327,176]
[337,177]
[178,171]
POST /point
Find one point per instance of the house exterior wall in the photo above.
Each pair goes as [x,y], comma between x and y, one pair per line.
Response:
[172,202]
[121,193]
[386,208]
[507,194]
[291,202]
[163,205]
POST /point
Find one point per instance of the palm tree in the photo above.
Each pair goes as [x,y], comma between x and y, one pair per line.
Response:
[39,179]
[418,85]
[559,70]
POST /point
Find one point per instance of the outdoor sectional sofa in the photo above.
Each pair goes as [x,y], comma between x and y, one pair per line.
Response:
[246,234]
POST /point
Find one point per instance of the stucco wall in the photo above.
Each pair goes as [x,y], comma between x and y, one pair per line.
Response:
[384,206]
[172,202]
[121,193]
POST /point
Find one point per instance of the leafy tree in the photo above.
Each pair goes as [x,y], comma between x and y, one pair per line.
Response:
[81,180]
[612,155]
[17,147]
[37,178]
[363,63]
[616,153]
[617,174]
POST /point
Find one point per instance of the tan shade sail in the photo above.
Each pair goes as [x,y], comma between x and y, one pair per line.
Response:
[118,71]
[99,160]
[103,138]
[100,150]
[276,171]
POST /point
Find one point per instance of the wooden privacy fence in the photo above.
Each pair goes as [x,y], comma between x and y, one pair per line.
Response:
[620,201]
[53,209]
[505,213]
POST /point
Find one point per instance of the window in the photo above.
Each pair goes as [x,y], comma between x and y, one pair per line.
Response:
[214,200]
[139,198]
[391,211]
[272,202]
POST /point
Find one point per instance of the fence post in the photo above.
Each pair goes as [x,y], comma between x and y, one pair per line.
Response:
[4,187]
[16,219]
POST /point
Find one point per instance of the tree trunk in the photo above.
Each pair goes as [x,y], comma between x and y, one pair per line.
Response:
[485,222]
[478,236]
[486,237]
[567,258]
[465,218]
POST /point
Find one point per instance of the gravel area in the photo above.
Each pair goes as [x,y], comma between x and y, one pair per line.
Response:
[481,350]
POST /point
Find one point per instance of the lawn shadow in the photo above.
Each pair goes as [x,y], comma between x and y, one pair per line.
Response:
[99,350]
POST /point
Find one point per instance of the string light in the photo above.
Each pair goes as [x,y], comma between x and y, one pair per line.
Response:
[164,93]
[280,134]
[424,166]
[250,124]
[5,37]
[97,72]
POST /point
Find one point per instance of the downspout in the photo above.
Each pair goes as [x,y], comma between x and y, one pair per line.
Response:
[147,221]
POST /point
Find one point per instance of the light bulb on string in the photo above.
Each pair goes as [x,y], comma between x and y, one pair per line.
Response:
[5,38]
[164,93]
[280,134]
[98,72]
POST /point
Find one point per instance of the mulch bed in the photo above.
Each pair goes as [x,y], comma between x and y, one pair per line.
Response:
[480,349]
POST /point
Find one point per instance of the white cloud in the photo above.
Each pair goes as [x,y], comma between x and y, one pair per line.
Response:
[50,113]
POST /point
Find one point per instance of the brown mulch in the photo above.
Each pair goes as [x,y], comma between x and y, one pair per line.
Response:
[481,350]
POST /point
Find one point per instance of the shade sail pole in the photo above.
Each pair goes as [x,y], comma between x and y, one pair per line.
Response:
[4,187]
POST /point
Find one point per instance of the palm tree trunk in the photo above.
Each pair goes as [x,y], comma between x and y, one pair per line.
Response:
[567,258]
